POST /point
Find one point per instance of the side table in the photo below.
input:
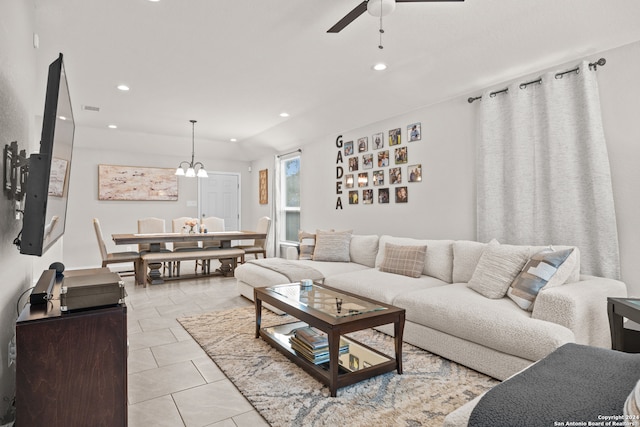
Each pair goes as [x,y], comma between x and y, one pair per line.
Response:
[624,339]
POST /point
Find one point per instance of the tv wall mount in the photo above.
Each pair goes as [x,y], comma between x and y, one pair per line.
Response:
[16,171]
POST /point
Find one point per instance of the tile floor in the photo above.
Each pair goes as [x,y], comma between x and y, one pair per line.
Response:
[172,382]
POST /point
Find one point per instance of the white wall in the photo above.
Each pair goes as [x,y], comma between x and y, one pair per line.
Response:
[443,205]
[114,147]
[17,74]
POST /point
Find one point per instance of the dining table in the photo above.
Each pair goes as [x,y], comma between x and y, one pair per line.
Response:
[155,241]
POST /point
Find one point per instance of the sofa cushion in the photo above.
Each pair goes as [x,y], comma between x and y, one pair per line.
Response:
[332,246]
[498,266]
[329,268]
[466,255]
[404,260]
[378,285]
[537,272]
[438,262]
[498,324]
[363,249]
[307,243]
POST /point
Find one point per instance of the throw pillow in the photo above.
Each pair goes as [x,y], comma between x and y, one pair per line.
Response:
[405,260]
[307,244]
[632,405]
[497,267]
[439,260]
[332,246]
[535,275]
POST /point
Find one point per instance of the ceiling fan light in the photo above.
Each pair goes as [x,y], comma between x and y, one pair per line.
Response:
[381,7]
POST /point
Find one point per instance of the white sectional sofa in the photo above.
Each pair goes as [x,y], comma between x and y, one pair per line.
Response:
[446,317]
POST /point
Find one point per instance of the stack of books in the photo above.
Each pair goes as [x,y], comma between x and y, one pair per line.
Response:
[313,345]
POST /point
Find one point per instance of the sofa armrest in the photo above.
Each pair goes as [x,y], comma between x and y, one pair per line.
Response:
[582,307]
[292,253]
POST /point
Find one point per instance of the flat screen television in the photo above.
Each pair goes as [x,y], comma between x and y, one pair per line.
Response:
[45,207]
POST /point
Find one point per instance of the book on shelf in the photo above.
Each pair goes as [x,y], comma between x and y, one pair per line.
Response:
[312,337]
[318,355]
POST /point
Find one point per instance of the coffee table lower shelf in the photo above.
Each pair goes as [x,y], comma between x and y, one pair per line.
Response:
[359,363]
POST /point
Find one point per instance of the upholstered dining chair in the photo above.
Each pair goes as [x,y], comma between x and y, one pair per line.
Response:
[178,226]
[211,224]
[119,257]
[152,225]
[259,245]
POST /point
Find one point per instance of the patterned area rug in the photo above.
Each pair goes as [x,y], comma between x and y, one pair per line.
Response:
[285,395]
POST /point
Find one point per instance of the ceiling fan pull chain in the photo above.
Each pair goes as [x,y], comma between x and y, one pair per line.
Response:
[381,33]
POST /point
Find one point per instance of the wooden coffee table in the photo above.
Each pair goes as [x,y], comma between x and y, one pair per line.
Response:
[335,313]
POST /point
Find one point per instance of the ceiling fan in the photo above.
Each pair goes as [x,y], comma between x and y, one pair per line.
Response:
[375,8]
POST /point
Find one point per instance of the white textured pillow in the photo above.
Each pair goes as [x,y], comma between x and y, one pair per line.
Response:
[466,255]
[307,244]
[332,246]
[632,405]
[363,249]
[498,266]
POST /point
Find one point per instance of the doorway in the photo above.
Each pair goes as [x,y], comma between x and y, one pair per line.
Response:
[219,196]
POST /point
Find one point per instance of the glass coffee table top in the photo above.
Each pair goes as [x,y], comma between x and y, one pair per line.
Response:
[325,300]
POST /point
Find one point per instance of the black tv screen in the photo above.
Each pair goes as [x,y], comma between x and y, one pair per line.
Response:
[49,170]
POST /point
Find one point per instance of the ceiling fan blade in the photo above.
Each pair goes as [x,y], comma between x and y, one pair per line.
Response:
[423,1]
[349,18]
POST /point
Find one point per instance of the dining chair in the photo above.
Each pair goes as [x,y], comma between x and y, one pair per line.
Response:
[152,225]
[211,224]
[259,245]
[178,226]
[119,257]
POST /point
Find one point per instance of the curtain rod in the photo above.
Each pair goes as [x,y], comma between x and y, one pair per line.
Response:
[593,65]
[299,150]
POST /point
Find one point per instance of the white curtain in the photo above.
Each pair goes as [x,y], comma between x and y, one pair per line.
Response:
[543,174]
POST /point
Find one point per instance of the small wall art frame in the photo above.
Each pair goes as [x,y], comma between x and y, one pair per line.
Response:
[264,186]
[137,183]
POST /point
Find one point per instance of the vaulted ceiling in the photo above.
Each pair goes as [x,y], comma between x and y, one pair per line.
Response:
[235,65]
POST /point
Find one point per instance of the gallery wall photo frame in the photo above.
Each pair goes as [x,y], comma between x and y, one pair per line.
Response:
[414,132]
[137,183]
[263,189]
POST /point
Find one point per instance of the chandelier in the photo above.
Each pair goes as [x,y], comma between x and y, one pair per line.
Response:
[191,169]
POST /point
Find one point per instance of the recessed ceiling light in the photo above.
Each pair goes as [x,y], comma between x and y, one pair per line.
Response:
[123,88]
[112,127]
[154,1]
[233,140]
[284,114]
[380,66]
[62,117]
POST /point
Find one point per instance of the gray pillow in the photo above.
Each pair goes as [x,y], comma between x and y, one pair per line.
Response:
[332,246]
[404,260]
[535,275]
[498,266]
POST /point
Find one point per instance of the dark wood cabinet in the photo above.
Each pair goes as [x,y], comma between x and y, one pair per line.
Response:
[71,368]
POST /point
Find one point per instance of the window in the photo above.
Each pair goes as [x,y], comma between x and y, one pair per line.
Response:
[289,208]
